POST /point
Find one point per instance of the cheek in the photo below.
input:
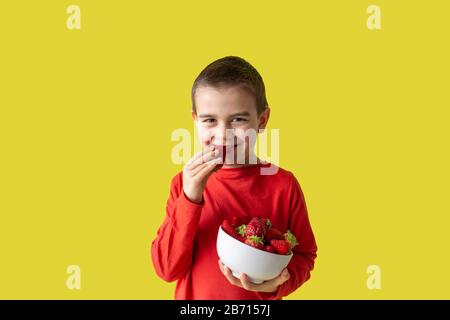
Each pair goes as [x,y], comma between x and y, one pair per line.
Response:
[246,135]
[204,134]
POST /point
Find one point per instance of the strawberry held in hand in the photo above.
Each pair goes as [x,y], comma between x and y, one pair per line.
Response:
[222,153]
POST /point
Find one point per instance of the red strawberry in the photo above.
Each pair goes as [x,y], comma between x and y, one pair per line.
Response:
[281,246]
[255,241]
[270,249]
[228,228]
[235,222]
[256,227]
[273,234]
[222,150]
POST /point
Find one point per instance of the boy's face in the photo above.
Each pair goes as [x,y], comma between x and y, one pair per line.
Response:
[225,116]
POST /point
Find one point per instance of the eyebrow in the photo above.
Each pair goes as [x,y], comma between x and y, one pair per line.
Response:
[205,116]
[241,114]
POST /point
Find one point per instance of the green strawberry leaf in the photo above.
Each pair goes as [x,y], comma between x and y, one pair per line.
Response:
[241,229]
[256,239]
[291,238]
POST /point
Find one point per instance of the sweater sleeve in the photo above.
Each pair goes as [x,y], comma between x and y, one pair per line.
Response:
[302,262]
[172,248]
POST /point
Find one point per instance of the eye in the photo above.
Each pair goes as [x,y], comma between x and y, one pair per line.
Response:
[209,120]
[239,120]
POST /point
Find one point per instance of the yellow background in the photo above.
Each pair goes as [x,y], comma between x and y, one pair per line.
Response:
[86,117]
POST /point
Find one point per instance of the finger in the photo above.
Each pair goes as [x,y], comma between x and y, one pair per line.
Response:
[232,279]
[199,154]
[283,277]
[198,167]
[247,284]
[221,267]
[207,171]
[204,158]
[208,156]
[195,157]
[278,281]
[204,169]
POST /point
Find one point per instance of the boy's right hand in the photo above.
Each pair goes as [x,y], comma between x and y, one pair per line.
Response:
[197,171]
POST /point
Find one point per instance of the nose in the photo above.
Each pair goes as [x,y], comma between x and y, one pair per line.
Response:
[223,135]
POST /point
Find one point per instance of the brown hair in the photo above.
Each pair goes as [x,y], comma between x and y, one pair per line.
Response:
[232,71]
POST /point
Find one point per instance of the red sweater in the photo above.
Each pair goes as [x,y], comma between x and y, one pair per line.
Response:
[185,246]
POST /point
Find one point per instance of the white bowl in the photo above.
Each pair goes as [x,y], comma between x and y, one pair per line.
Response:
[257,264]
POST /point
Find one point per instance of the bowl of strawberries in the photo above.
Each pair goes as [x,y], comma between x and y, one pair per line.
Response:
[256,248]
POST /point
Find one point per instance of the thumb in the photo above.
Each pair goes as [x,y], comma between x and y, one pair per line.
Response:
[285,275]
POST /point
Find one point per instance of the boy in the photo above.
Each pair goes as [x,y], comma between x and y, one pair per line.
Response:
[228,100]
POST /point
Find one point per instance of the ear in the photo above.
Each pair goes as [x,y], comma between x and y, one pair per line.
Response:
[194,115]
[263,118]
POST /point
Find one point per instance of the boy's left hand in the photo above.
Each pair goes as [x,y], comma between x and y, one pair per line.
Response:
[245,283]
